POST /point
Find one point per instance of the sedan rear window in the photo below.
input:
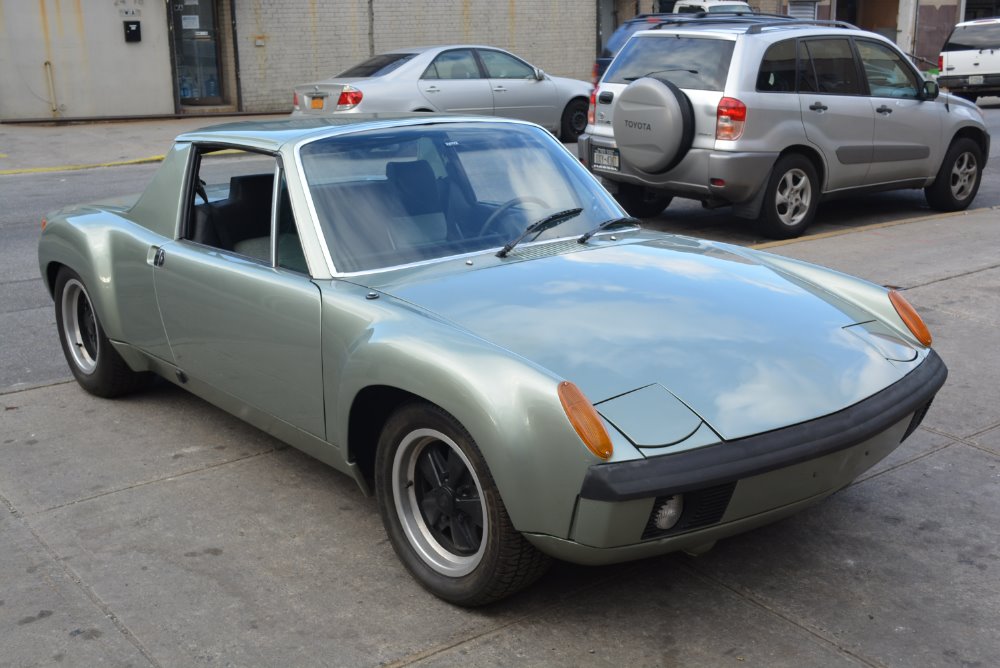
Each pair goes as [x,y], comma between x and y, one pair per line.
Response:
[378,65]
[981,36]
[697,63]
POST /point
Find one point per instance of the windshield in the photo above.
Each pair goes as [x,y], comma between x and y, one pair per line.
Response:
[409,194]
[376,66]
[699,63]
[976,36]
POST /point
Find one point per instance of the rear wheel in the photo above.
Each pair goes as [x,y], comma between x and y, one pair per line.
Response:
[790,199]
[574,120]
[958,179]
[443,513]
[95,364]
[641,202]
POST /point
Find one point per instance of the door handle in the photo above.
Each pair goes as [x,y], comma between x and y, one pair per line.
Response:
[432,89]
[158,258]
[818,106]
[499,89]
[884,110]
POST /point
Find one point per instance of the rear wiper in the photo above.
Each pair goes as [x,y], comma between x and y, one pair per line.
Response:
[540,226]
[671,69]
[614,222]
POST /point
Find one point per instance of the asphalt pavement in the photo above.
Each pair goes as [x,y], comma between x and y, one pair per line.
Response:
[156,530]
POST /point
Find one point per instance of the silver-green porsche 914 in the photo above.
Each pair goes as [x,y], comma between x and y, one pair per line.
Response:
[455,313]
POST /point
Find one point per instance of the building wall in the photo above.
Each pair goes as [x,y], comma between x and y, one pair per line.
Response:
[94,72]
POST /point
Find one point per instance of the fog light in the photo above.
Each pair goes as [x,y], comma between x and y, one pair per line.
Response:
[668,513]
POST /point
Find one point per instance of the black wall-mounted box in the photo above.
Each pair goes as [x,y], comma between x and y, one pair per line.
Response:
[133,31]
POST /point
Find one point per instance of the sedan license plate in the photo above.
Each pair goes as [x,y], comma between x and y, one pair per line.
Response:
[316,103]
[975,79]
[605,158]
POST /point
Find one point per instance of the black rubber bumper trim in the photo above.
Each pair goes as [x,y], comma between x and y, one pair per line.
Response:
[753,455]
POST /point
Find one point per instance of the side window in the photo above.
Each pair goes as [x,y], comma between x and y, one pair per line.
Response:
[888,75]
[833,66]
[231,200]
[504,66]
[290,255]
[777,69]
[457,64]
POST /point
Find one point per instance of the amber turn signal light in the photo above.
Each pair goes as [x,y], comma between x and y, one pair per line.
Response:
[910,317]
[584,418]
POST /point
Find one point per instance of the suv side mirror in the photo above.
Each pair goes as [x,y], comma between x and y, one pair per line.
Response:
[539,74]
[930,90]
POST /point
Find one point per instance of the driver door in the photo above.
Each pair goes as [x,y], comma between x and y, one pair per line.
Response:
[239,309]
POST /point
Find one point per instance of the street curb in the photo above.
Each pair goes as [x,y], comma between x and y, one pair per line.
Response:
[69,168]
[873,226]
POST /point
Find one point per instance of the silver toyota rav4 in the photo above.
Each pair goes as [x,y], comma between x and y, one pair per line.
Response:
[772,117]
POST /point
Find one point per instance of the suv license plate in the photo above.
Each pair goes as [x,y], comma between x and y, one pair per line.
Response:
[976,79]
[605,158]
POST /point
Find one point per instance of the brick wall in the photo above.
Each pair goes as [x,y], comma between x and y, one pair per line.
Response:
[285,42]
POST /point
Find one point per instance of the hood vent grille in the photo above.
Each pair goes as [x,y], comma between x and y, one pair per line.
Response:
[547,250]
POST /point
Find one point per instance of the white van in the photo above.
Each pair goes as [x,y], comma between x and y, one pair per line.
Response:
[970,59]
[711,6]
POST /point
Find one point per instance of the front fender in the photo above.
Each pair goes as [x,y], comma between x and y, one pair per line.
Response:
[509,405]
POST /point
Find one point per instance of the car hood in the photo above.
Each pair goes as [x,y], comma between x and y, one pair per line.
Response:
[747,348]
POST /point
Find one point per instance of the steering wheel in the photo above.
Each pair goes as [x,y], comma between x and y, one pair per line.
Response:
[506,206]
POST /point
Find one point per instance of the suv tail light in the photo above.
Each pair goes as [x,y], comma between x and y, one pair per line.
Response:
[941,63]
[592,110]
[350,97]
[593,75]
[730,117]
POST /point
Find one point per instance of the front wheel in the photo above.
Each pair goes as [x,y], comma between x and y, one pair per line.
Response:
[958,179]
[790,199]
[574,120]
[641,202]
[95,364]
[443,513]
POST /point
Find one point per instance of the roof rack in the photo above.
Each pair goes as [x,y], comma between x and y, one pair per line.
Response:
[759,27]
[702,18]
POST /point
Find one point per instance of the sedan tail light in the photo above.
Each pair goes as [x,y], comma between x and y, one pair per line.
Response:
[350,97]
[730,117]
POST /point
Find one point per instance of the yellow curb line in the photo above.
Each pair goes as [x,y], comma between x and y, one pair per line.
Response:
[68,168]
[873,226]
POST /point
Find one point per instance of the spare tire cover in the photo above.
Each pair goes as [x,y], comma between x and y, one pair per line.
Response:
[653,124]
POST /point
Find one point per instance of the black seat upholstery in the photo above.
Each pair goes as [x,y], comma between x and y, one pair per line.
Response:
[421,218]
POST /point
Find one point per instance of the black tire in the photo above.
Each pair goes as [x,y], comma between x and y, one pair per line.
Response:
[641,202]
[574,120]
[958,179]
[95,364]
[443,513]
[791,198]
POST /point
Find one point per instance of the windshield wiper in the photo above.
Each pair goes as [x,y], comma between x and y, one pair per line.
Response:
[540,226]
[614,222]
[671,69]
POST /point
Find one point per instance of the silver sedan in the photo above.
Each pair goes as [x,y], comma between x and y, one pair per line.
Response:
[457,78]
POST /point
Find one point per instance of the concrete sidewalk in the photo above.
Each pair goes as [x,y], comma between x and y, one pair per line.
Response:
[156,530]
[26,148]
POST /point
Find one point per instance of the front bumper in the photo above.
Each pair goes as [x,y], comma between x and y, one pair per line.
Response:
[734,486]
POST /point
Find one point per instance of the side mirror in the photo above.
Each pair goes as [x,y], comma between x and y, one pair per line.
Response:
[930,90]
[539,74]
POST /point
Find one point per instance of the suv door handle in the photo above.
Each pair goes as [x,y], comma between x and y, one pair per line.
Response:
[499,89]
[818,106]
[884,110]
